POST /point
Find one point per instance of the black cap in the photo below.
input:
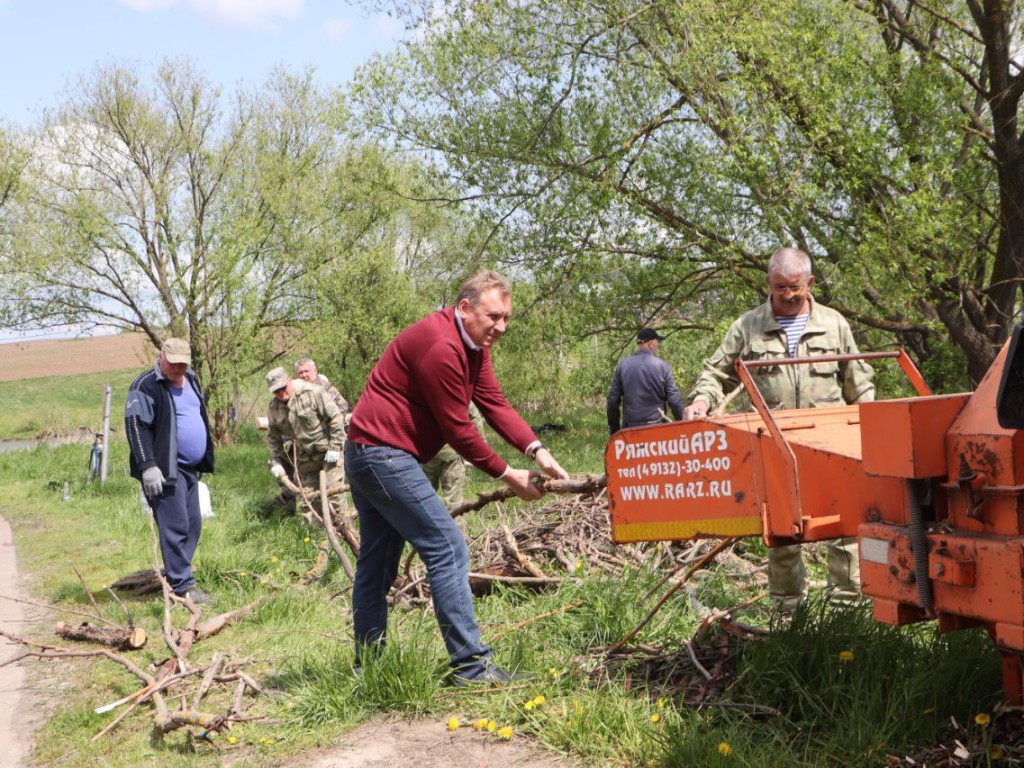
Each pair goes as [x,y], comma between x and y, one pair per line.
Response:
[648,334]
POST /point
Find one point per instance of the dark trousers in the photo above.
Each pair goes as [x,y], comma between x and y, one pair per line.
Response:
[179,523]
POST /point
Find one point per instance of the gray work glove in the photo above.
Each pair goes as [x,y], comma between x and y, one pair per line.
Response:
[152,482]
[331,457]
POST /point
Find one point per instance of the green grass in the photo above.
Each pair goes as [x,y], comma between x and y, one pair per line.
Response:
[792,701]
[55,405]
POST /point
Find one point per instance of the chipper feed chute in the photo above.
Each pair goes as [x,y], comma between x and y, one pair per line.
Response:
[931,486]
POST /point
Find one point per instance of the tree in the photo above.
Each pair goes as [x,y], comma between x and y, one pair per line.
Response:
[158,210]
[645,158]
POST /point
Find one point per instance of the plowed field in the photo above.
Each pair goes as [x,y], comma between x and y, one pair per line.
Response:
[70,357]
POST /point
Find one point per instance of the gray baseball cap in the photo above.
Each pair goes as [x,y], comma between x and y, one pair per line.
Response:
[277,379]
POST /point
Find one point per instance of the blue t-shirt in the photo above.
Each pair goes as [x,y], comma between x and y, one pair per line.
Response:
[191,430]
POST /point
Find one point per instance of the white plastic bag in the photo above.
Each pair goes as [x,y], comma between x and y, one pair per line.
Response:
[205,505]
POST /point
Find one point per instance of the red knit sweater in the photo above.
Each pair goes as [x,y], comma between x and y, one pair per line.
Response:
[418,394]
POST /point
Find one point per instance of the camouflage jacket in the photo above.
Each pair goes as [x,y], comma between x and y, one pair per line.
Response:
[333,393]
[309,420]
[756,335]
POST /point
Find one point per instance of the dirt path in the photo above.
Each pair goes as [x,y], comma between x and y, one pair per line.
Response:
[401,743]
[18,717]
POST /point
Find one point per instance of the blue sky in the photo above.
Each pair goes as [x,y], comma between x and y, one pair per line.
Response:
[45,44]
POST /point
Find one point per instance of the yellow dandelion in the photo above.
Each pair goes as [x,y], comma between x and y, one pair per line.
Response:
[480,724]
[528,706]
[453,724]
[505,733]
[270,741]
[491,726]
[846,655]
[656,717]
[273,558]
[554,672]
[242,573]
[306,540]
[263,580]
[982,718]
[262,739]
[579,565]
[539,699]
[661,703]
[232,739]
[725,748]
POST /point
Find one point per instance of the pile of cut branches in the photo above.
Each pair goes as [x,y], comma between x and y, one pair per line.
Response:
[176,677]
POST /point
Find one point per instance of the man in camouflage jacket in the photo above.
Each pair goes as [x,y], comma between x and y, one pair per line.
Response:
[305,369]
[305,435]
[761,334]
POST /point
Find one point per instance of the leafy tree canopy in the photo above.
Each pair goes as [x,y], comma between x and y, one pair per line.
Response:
[643,159]
[156,205]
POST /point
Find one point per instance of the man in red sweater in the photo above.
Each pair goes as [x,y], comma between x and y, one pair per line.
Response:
[416,400]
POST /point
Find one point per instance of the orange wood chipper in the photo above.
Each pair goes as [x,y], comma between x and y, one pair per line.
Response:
[932,486]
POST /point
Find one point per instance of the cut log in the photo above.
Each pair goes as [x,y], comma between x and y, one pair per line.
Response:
[129,639]
[211,627]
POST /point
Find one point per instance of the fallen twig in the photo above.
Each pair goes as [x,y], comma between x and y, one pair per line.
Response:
[675,588]
[525,622]
[585,484]
[329,527]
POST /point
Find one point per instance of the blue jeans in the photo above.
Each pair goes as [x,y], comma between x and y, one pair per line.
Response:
[179,523]
[397,504]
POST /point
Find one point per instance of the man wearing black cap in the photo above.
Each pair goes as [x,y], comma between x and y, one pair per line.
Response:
[169,438]
[645,383]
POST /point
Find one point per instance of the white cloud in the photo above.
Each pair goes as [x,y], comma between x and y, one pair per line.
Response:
[338,29]
[387,27]
[233,13]
[149,5]
[230,13]
[246,13]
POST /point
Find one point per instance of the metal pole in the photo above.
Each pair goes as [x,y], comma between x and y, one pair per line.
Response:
[106,437]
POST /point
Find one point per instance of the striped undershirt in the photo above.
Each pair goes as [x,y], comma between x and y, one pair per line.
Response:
[794,329]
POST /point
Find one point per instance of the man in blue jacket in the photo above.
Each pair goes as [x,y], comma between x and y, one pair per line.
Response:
[169,437]
[643,386]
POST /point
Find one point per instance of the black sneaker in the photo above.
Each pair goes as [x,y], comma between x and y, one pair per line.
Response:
[197,596]
[491,675]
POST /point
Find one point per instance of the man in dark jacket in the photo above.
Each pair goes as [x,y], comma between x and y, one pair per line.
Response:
[170,442]
[646,384]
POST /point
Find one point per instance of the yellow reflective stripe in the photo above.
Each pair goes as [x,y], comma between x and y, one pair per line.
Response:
[687,529]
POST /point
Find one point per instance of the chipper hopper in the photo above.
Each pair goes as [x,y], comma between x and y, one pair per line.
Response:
[932,487]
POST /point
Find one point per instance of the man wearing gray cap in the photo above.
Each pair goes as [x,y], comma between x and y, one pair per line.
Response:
[169,439]
[642,386]
[306,433]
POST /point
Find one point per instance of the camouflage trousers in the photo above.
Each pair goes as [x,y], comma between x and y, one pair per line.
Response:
[307,477]
[447,473]
[787,574]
